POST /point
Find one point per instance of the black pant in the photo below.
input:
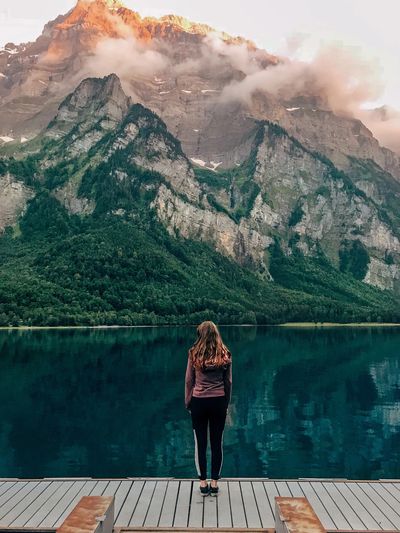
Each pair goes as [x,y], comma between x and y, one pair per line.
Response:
[208,412]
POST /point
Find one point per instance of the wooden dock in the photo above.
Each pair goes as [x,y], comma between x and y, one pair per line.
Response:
[341,505]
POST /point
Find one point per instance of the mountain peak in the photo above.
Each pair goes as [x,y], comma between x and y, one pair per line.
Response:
[95,99]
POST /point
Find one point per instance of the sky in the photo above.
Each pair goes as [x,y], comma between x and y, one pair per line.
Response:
[371,27]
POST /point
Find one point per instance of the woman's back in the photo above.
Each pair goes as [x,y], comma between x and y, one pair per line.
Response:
[210,381]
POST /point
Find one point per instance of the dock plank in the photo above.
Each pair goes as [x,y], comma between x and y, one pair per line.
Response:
[120,496]
[154,512]
[38,517]
[196,507]
[182,505]
[224,505]
[263,505]
[87,489]
[210,511]
[271,491]
[11,490]
[130,502]
[237,506]
[283,488]
[381,501]
[19,508]
[14,500]
[332,509]
[250,505]
[351,516]
[37,504]
[369,504]
[6,485]
[52,517]
[246,503]
[317,505]
[143,504]
[169,505]
[357,506]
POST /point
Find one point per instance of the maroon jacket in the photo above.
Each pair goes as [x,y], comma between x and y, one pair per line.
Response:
[212,381]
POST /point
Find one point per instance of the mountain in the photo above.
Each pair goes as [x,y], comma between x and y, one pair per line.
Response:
[161,129]
[107,220]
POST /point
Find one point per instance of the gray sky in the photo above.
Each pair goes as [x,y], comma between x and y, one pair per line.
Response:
[369,25]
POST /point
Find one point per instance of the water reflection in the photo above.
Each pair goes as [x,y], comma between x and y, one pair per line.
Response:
[306,403]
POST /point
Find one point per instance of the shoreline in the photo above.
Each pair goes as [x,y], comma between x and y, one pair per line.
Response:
[314,325]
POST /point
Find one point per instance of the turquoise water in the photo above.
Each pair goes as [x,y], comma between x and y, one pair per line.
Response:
[306,403]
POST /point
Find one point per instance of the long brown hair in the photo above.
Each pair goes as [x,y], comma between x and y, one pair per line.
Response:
[209,348]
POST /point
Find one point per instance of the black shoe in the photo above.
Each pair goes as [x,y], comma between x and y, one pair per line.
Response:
[205,490]
[214,490]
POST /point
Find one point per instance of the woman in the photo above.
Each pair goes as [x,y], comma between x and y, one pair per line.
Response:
[208,390]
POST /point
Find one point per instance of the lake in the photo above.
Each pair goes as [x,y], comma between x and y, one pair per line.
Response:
[307,402]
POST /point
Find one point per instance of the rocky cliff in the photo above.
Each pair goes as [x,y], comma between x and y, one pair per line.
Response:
[102,155]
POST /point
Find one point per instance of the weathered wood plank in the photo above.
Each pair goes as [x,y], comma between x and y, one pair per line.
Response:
[295,489]
[237,506]
[317,505]
[182,505]
[210,511]
[153,514]
[351,516]
[120,496]
[224,505]
[37,504]
[143,504]
[250,505]
[18,496]
[381,501]
[55,513]
[271,491]
[295,515]
[11,489]
[283,488]
[6,485]
[24,503]
[196,507]
[334,511]
[84,517]
[378,515]
[130,502]
[169,505]
[356,505]
[45,509]
[263,504]
[86,490]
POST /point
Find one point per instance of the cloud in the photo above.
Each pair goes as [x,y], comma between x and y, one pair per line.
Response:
[384,122]
[126,57]
[338,76]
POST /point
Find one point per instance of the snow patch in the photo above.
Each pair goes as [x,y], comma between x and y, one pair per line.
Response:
[292,108]
[187,92]
[24,139]
[196,131]
[6,139]
[164,92]
[2,75]
[42,82]
[205,91]
[199,162]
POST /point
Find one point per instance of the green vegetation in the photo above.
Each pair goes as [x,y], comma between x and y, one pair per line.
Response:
[354,258]
[296,215]
[108,268]
[66,270]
